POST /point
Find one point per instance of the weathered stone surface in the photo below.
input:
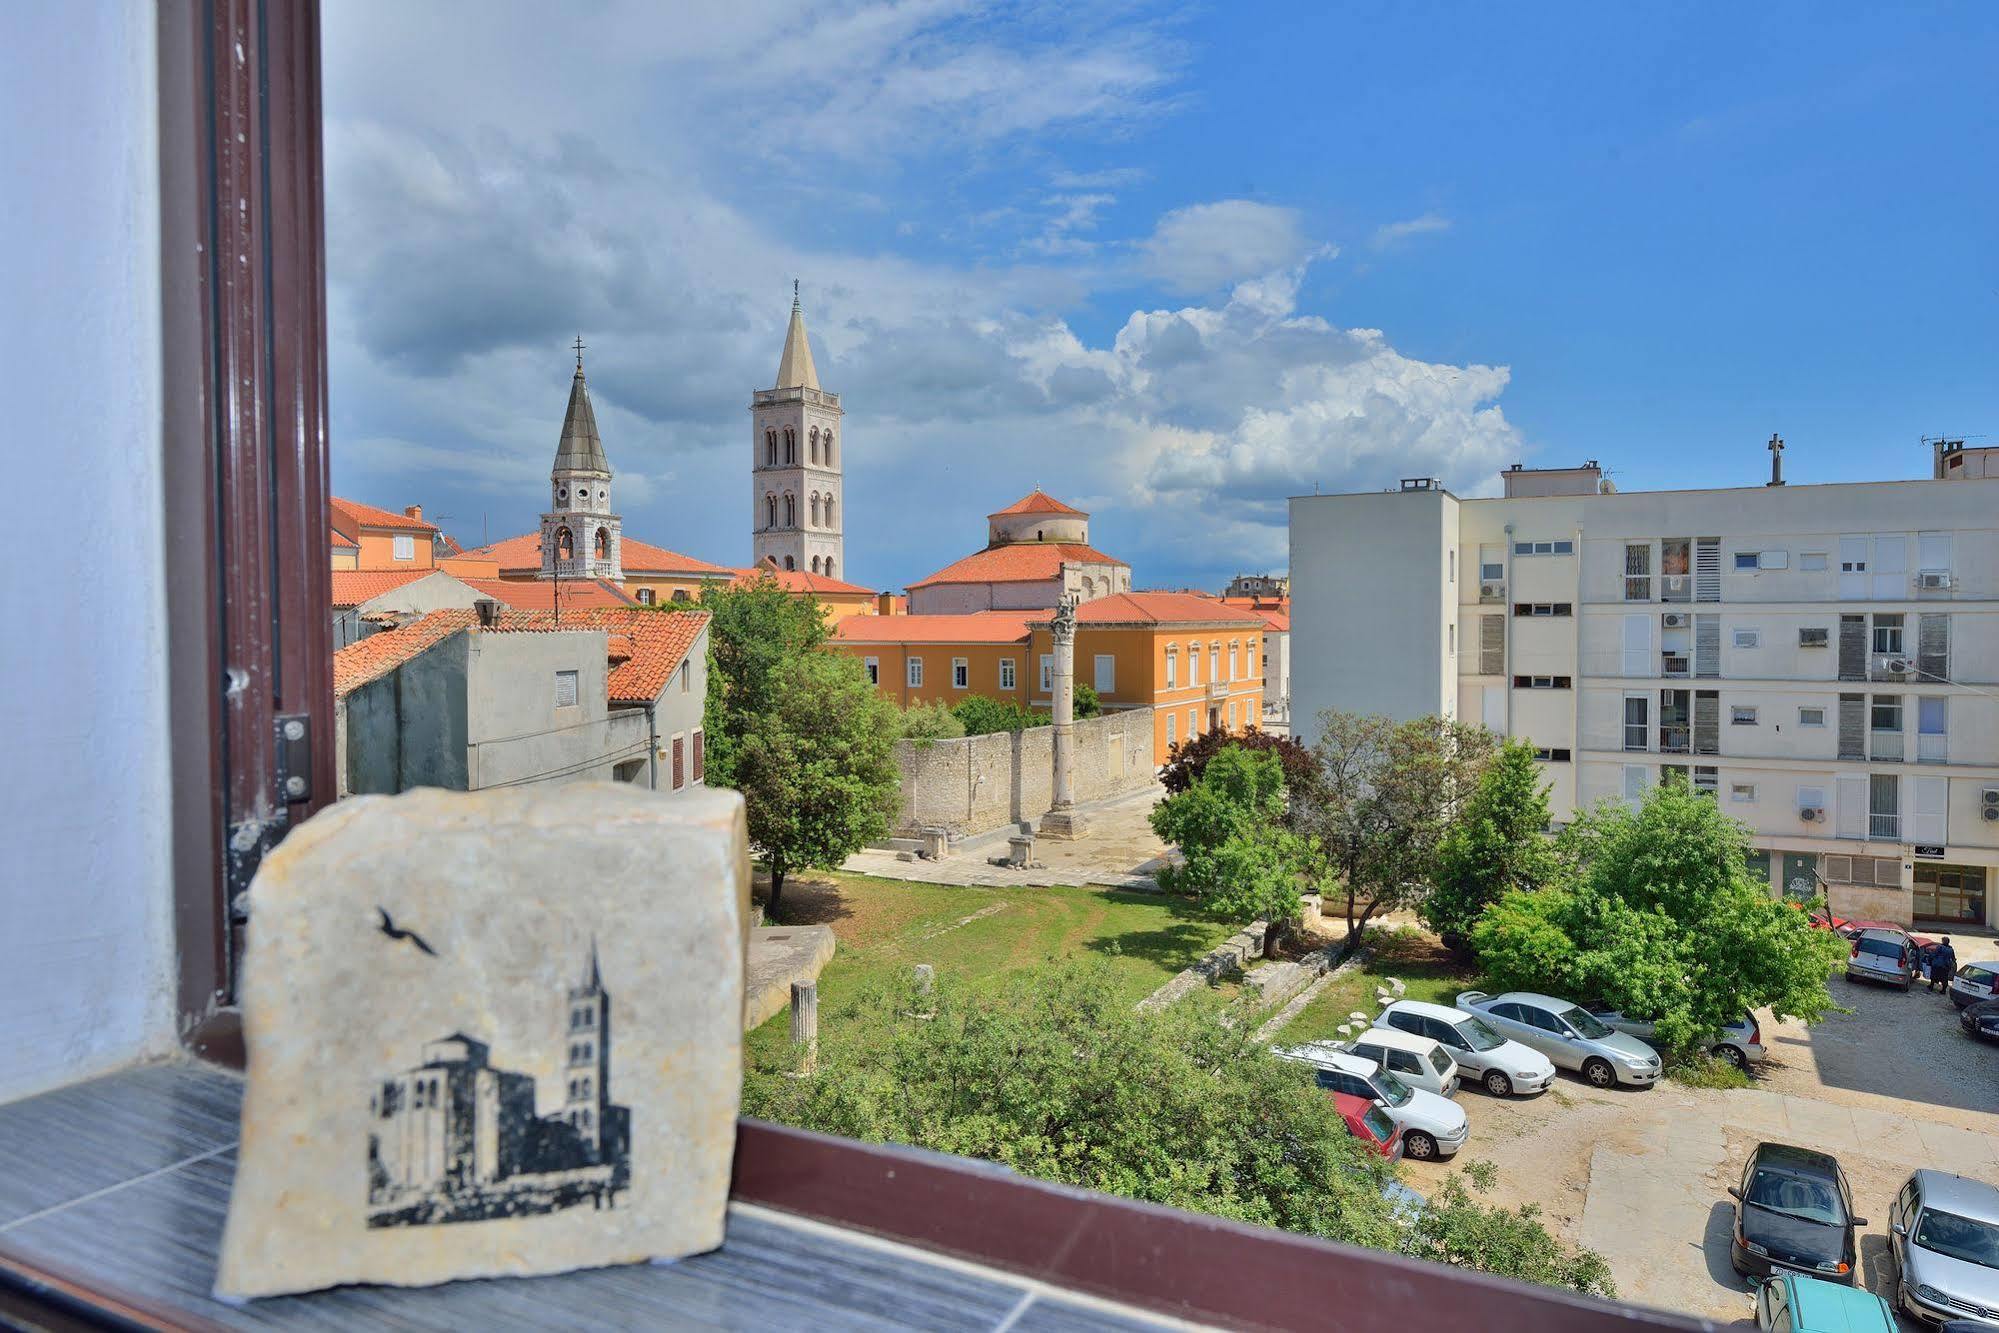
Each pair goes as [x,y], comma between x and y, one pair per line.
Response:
[780,955]
[490,1033]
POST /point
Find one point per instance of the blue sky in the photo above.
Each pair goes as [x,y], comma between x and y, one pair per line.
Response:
[1170,264]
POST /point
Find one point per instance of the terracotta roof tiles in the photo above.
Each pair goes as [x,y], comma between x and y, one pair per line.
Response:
[379,654]
[1160,608]
[351,515]
[541,594]
[801,580]
[970,627]
[351,587]
[1037,501]
[1019,562]
[637,557]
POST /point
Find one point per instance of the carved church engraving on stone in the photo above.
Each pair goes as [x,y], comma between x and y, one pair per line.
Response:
[456,1139]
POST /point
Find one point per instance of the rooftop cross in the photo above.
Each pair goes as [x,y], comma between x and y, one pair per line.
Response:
[794,293]
[579,353]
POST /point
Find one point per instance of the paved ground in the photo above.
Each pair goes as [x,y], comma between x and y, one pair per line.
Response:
[1121,851]
[1642,1175]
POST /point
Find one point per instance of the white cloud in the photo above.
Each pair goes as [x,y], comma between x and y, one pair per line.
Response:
[1393,233]
[1206,246]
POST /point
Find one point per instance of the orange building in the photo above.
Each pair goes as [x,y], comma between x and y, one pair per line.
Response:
[1194,660]
[837,599]
[365,537]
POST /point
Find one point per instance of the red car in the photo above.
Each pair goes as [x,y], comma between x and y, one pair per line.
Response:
[1370,1124]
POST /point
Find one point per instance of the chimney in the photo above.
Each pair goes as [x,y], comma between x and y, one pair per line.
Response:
[884,603]
[413,511]
[1776,448]
[489,611]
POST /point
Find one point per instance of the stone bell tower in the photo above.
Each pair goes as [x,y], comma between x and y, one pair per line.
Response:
[580,536]
[797,509]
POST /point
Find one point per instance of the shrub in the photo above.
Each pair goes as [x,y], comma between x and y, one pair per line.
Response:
[1187,760]
[933,721]
[982,715]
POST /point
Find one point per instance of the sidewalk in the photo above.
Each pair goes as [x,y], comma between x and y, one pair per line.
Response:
[1121,851]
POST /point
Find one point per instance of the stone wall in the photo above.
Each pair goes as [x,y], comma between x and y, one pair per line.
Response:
[981,783]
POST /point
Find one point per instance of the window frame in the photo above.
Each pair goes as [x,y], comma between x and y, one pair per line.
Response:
[912,672]
[961,673]
[1009,674]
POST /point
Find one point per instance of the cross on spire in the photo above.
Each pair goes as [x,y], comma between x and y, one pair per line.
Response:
[794,293]
[579,354]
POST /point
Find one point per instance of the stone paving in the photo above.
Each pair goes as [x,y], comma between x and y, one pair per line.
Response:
[1121,851]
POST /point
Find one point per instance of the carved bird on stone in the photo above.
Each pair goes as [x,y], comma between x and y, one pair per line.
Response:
[395,932]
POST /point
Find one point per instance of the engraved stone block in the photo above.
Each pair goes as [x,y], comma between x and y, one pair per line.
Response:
[490,1033]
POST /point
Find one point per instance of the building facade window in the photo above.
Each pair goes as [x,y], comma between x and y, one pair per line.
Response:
[1888,633]
[961,673]
[1170,720]
[700,755]
[1638,572]
[1814,636]
[1552,755]
[1748,638]
[1539,609]
[645,596]
[1811,716]
[873,666]
[1172,668]
[1544,548]
[1193,665]
[1542,682]
[565,689]
[405,548]
[1006,673]
[1105,679]
[1741,716]
[1047,673]
[915,669]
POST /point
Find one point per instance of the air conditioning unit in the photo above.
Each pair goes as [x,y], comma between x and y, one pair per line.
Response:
[1811,814]
[1889,664]
[1933,578]
[1676,620]
[1988,802]
[1492,590]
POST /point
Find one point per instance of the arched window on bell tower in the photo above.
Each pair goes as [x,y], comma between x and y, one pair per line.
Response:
[812,441]
[815,564]
[770,448]
[814,509]
[829,511]
[789,563]
[565,544]
[790,510]
[790,445]
[770,510]
[603,543]
[829,566]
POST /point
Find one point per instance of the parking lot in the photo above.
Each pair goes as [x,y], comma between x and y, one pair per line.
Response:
[1642,1174]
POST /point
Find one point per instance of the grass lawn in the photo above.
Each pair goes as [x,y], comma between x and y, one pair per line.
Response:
[984,935]
[1424,966]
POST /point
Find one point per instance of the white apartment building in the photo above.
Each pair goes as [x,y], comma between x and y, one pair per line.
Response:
[1823,659]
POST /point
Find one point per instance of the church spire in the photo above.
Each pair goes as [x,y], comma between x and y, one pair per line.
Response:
[581,449]
[795,370]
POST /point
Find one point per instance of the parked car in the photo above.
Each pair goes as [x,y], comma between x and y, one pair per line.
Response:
[1432,1127]
[1981,1019]
[1882,955]
[1794,1303]
[1370,1124]
[1569,1035]
[1974,982]
[1793,1213]
[1943,1236]
[1924,944]
[1503,1068]
[1418,1061]
[1740,1043]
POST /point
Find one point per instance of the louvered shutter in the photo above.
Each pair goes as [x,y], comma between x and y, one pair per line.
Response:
[1853,647]
[1707,722]
[1852,726]
[1707,645]
[1707,569]
[1891,565]
[1638,646]
[1928,800]
[1492,645]
[1933,647]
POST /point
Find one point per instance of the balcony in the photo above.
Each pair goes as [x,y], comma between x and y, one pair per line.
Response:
[1932,748]
[1676,740]
[1886,745]
[1884,828]
[1675,666]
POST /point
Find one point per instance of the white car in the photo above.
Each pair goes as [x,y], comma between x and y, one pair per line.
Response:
[1432,1127]
[1569,1035]
[1974,982]
[1503,1068]
[1417,1061]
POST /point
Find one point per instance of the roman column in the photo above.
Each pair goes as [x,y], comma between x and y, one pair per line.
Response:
[1063,821]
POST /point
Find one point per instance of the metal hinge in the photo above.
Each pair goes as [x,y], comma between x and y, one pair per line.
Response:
[294,758]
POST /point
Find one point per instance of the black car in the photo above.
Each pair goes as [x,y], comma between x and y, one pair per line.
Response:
[1793,1213]
[1980,1019]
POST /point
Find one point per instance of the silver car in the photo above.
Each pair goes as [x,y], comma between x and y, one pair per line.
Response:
[1882,955]
[1975,982]
[1740,1043]
[1943,1234]
[1569,1035]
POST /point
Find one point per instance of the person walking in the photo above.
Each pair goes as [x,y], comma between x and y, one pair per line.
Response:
[1943,965]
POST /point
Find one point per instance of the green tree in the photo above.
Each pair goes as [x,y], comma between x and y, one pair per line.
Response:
[1187,759]
[1237,857]
[983,715]
[933,721]
[1497,843]
[755,628]
[1056,1076]
[1382,806]
[816,768]
[1087,704]
[1662,919]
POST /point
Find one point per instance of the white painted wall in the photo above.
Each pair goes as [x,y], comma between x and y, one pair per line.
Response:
[86,956]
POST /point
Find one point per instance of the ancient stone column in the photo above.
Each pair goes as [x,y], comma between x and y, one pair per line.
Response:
[1062,820]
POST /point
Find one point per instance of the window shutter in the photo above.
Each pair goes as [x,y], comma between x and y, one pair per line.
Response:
[1707,569]
[1850,806]
[1853,584]
[1933,646]
[1853,647]
[1634,782]
[679,758]
[1852,726]
[1707,722]
[1492,708]
[1638,646]
[1707,645]
[1933,551]
[700,755]
[1891,565]
[1928,809]
[1492,645]
[1839,869]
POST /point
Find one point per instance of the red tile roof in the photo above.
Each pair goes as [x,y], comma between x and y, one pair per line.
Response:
[350,516]
[1019,562]
[1037,501]
[637,557]
[801,580]
[351,587]
[541,594]
[645,646]
[1276,611]
[1159,608]
[343,541]
[971,627]
[379,654]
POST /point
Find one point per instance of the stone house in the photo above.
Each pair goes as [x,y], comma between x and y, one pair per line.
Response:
[469,699]
[1037,552]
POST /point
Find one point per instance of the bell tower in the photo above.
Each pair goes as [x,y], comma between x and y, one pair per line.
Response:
[797,509]
[580,536]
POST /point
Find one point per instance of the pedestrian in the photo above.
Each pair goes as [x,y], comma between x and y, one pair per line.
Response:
[1943,965]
